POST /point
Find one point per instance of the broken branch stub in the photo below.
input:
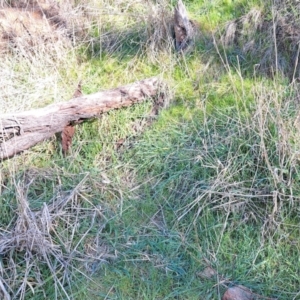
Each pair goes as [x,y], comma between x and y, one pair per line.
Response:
[69,130]
[20,131]
[183,27]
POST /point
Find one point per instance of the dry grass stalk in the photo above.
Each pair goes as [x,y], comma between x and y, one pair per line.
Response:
[3,292]
[37,41]
[39,25]
[31,231]
[274,42]
[30,26]
[159,28]
[246,26]
[34,236]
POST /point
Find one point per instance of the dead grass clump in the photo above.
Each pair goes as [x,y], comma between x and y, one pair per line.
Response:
[43,241]
[272,44]
[168,29]
[254,170]
[37,45]
[133,27]
[50,10]
[33,25]
[147,28]
[238,31]
[160,28]
[29,26]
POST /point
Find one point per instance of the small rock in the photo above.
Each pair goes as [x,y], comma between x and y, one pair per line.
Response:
[238,292]
[208,272]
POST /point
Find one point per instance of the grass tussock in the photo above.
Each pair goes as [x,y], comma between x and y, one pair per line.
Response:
[147,202]
[52,239]
[268,38]
[32,32]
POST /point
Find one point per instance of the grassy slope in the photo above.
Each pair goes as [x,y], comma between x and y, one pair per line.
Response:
[198,187]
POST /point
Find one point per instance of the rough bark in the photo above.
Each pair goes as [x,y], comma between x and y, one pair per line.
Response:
[183,27]
[20,131]
[69,130]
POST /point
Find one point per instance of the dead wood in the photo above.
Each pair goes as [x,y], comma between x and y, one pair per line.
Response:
[20,131]
[183,27]
[69,131]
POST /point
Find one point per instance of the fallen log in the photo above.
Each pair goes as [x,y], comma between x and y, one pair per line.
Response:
[20,131]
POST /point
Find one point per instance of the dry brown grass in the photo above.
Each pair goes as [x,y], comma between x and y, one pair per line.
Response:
[38,40]
[47,237]
[271,43]
[159,28]
[30,25]
[208,163]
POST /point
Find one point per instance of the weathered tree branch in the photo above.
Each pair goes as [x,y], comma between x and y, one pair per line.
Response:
[183,27]
[21,131]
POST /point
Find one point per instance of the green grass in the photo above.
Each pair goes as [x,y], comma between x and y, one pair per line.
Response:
[210,14]
[213,181]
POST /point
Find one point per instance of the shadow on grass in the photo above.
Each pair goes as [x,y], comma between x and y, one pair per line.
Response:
[195,189]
